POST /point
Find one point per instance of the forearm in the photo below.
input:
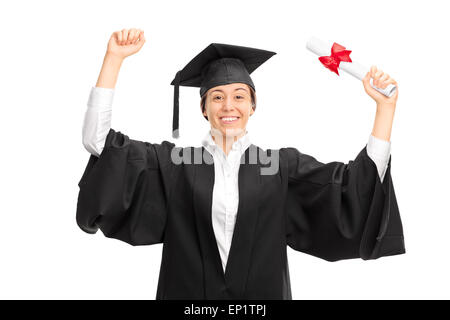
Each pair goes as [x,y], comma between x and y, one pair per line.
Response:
[110,71]
[383,122]
[379,151]
[97,119]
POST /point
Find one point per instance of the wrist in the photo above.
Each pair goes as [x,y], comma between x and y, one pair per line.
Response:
[383,122]
[113,58]
[386,107]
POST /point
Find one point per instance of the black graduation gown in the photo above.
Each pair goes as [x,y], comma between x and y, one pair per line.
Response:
[135,193]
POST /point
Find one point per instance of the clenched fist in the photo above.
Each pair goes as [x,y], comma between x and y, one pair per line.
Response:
[126,42]
[380,80]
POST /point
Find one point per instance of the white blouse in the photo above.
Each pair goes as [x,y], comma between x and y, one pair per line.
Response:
[226,191]
[97,122]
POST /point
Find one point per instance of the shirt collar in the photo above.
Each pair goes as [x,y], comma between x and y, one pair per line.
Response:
[240,144]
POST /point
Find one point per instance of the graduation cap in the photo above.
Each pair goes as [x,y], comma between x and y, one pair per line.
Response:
[216,65]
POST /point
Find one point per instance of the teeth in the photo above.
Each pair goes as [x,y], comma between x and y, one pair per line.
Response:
[229,119]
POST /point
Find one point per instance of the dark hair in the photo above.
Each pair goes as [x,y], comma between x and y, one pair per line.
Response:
[252,94]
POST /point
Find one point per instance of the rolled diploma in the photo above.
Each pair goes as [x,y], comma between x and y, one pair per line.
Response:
[322,48]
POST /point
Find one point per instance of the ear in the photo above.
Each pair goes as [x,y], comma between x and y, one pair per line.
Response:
[203,112]
[252,111]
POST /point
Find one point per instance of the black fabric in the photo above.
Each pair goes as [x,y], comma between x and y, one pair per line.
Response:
[135,193]
[217,64]
[341,211]
[225,71]
[176,107]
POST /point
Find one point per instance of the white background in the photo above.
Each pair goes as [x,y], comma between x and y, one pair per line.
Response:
[51,54]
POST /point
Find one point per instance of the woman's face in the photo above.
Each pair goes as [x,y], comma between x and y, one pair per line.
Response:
[228,108]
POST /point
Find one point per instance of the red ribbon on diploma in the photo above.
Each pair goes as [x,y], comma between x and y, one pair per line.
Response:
[338,54]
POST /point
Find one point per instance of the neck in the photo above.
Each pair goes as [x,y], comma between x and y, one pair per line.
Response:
[226,141]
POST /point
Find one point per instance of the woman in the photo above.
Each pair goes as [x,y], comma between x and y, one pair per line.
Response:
[225,224]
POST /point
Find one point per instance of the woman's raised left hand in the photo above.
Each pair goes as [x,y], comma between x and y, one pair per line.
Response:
[380,80]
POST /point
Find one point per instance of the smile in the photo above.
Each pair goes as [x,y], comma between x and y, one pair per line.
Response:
[229,119]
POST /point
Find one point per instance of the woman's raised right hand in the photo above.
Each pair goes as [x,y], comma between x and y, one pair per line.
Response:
[126,42]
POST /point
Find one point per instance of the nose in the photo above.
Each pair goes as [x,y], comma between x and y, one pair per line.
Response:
[228,103]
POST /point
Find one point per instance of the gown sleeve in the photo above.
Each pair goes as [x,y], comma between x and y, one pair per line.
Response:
[338,211]
[124,192]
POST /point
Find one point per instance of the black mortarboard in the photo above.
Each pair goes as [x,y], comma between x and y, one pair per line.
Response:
[216,65]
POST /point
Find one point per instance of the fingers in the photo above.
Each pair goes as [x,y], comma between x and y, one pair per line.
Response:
[136,37]
[119,36]
[366,79]
[129,36]
[383,78]
[124,36]
[366,82]
[380,79]
[141,40]
[376,77]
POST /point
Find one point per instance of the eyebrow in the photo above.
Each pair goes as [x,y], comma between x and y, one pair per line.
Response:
[234,90]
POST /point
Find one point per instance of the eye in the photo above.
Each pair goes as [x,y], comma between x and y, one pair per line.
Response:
[215,98]
[241,97]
